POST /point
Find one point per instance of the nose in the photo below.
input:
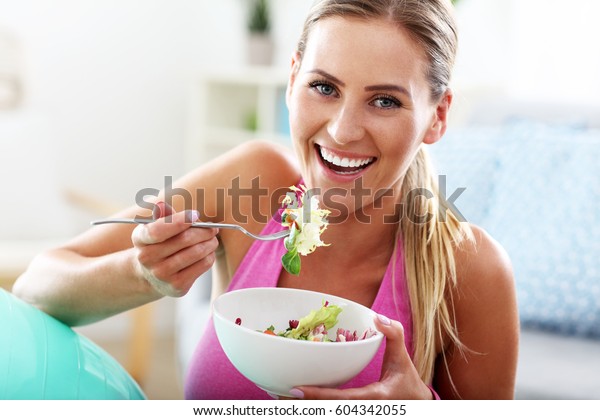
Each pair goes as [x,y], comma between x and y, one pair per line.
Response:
[346,125]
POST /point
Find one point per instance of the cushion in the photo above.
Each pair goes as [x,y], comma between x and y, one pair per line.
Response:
[546,213]
[469,158]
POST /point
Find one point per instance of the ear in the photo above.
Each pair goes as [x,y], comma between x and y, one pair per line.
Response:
[439,120]
[295,67]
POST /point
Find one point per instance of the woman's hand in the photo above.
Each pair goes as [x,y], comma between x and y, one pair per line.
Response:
[399,378]
[170,254]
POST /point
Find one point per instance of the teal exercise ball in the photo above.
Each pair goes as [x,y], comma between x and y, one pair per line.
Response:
[43,359]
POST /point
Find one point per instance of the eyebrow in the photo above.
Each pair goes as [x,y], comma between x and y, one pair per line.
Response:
[395,88]
[389,87]
[328,76]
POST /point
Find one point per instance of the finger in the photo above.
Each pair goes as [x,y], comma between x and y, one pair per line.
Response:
[175,275]
[172,224]
[154,253]
[184,279]
[399,378]
[141,236]
[181,260]
[397,370]
[180,283]
[396,358]
[161,209]
[163,228]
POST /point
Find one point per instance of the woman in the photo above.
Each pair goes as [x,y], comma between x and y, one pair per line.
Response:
[368,91]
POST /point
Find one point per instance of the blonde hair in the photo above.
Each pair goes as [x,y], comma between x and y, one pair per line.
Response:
[429,244]
[430,265]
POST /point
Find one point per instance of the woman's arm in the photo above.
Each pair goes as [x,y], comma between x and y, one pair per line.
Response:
[100,272]
[487,323]
[79,290]
[112,268]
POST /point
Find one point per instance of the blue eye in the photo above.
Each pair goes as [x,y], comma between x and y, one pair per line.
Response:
[323,88]
[386,102]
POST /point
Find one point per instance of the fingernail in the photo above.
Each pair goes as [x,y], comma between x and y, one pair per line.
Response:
[156,211]
[191,216]
[384,319]
[296,393]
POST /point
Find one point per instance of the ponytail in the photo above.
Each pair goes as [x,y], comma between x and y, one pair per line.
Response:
[430,266]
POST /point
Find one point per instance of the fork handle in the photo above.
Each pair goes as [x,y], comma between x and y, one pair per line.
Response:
[143,221]
[214,225]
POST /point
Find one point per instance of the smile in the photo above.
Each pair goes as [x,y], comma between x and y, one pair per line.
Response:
[344,164]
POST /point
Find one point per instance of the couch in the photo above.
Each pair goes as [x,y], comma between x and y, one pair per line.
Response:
[532,181]
[535,186]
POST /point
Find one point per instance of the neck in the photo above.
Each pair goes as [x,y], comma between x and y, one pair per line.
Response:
[354,238]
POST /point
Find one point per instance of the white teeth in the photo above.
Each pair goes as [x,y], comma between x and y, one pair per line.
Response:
[343,162]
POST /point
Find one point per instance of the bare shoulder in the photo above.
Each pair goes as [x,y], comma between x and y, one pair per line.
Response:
[272,162]
[485,284]
[482,263]
[241,179]
[486,320]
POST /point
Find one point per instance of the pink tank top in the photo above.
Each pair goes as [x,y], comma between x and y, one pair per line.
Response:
[212,377]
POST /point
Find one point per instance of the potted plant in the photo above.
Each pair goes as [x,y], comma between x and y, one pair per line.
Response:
[260,44]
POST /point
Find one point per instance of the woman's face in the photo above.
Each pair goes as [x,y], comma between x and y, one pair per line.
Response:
[359,108]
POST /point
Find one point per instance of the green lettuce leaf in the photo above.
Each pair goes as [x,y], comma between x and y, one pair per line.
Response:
[326,315]
[291,262]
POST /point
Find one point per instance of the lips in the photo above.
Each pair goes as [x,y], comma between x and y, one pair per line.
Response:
[344,164]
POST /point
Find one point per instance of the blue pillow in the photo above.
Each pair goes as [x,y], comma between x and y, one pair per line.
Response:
[546,213]
[469,158]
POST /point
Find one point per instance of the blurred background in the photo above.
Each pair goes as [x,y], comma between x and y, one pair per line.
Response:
[101,99]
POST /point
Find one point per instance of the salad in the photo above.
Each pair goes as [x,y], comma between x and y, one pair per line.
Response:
[306,222]
[316,325]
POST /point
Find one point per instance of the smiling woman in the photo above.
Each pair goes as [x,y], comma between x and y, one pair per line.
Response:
[368,91]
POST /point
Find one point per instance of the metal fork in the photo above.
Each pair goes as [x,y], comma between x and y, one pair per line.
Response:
[270,237]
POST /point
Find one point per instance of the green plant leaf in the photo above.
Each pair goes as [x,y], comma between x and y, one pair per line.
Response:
[259,17]
[291,262]
[326,315]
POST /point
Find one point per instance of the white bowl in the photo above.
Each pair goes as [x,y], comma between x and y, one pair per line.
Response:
[278,364]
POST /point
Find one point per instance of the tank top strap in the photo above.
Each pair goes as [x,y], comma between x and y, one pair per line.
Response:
[261,266]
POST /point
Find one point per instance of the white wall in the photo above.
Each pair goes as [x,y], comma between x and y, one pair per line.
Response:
[538,51]
[557,55]
[107,85]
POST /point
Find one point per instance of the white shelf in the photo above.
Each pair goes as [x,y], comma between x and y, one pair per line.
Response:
[230,108]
